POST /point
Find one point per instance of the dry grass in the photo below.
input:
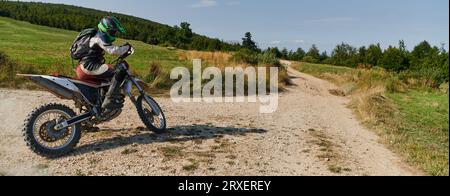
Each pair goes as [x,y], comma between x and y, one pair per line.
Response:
[171,152]
[327,149]
[194,165]
[328,152]
[158,77]
[367,89]
[216,59]
[129,151]
[364,103]
[223,60]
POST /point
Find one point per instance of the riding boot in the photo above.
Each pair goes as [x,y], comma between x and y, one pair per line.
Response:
[114,99]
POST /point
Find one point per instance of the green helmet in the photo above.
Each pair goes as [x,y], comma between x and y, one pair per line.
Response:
[111,26]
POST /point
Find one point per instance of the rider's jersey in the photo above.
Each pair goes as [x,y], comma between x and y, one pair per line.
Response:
[99,44]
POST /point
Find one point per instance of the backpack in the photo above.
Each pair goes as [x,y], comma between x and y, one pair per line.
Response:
[80,47]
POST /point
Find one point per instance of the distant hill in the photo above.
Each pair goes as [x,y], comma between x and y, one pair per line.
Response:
[78,18]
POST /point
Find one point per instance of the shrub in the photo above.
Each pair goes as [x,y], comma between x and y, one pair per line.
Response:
[154,71]
[269,58]
[433,77]
[6,69]
[157,77]
[245,56]
[394,84]
[3,58]
[310,59]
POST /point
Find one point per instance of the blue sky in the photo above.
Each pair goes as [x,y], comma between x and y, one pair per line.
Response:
[297,23]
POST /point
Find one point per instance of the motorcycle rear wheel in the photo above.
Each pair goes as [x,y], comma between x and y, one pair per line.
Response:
[40,136]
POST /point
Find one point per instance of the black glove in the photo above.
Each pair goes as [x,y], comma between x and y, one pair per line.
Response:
[131,49]
[128,44]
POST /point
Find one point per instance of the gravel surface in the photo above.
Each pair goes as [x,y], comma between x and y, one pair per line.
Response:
[312,133]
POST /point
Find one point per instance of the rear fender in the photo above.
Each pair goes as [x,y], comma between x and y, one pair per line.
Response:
[60,87]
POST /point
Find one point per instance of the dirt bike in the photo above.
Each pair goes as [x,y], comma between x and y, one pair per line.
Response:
[54,130]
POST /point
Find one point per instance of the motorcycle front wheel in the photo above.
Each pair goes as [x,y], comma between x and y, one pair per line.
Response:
[151,114]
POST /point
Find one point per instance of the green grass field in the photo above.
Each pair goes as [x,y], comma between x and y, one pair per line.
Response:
[48,48]
[44,50]
[414,122]
[37,49]
[424,129]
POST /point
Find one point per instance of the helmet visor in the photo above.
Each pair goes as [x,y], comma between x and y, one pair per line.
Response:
[113,32]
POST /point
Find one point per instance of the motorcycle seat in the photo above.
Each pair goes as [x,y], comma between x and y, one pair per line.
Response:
[90,83]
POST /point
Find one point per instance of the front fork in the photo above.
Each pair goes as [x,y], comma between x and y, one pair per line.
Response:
[128,85]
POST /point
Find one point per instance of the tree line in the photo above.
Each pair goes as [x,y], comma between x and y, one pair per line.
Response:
[78,18]
[424,60]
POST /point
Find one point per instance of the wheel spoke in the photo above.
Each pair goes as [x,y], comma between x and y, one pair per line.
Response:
[43,135]
[156,121]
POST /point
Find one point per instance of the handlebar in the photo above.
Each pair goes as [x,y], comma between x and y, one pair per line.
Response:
[125,55]
[129,52]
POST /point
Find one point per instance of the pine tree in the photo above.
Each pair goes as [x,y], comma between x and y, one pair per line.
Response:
[247,42]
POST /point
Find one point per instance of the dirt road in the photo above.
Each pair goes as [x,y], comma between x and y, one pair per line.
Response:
[312,133]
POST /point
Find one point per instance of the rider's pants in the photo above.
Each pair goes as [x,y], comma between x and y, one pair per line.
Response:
[103,74]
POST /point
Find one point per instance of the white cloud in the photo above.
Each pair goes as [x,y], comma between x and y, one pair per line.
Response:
[299,41]
[204,3]
[276,42]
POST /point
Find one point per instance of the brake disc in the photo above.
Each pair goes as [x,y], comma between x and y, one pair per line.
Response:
[149,114]
[48,133]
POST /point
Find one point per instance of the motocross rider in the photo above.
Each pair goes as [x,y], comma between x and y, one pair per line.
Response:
[92,67]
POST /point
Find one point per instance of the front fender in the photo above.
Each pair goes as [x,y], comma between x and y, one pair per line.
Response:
[128,85]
